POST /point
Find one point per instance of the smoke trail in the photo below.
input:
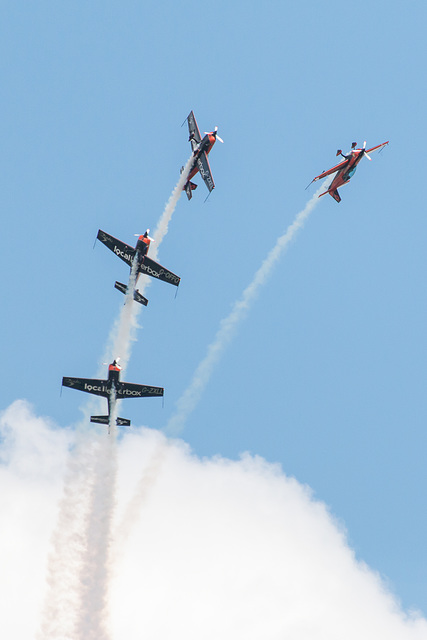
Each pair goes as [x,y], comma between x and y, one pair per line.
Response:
[96,568]
[133,508]
[124,330]
[188,401]
[79,563]
[62,601]
[92,621]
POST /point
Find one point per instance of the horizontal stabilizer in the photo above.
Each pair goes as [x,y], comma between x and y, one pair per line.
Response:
[100,419]
[121,422]
[121,287]
[138,297]
[189,188]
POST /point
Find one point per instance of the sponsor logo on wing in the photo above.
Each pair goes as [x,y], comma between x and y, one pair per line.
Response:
[156,391]
[203,173]
[71,382]
[95,387]
[122,254]
[161,274]
[103,236]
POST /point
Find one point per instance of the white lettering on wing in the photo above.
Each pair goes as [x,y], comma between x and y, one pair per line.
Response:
[92,387]
[163,273]
[122,254]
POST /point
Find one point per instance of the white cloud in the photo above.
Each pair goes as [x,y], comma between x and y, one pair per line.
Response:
[212,547]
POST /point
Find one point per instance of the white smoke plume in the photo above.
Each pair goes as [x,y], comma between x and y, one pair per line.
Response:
[95,571]
[189,399]
[222,548]
[79,565]
[123,333]
[132,511]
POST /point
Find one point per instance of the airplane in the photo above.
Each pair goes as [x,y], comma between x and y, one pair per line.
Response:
[346,169]
[112,387]
[201,149]
[144,264]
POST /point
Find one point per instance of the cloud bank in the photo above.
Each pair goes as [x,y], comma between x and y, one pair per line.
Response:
[219,548]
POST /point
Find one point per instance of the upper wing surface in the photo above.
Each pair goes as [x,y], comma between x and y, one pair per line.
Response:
[130,390]
[121,249]
[89,385]
[154,269]
[193,129]
[205,170]
[337,167]
[378,147]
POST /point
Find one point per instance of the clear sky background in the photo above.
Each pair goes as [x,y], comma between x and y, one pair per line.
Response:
[326,375]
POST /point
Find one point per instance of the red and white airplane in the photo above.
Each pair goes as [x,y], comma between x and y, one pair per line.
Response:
[346,169]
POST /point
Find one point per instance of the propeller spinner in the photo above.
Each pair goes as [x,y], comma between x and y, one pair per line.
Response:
[115,362]
[146,234]
[214,133]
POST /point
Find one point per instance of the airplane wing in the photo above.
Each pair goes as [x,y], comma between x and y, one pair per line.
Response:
[205,170]
[378,147]
[89,385]
[130,390]
[154,269]
[121,249]
[337,167]
[193,129]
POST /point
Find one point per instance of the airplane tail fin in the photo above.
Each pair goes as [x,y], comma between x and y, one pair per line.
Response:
[121,422]
[336,196]
[138,297]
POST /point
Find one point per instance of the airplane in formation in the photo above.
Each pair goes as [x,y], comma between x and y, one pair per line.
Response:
[346,169]
[201,148]
[144,264]
[112,387]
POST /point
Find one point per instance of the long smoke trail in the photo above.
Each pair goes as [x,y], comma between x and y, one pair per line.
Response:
[143,488]
[124,330]
[79,564]
[62,602]
[189,399]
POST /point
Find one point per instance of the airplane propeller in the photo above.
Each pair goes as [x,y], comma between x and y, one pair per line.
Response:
[214,133]
[364,151]
[116,360]
[147,232]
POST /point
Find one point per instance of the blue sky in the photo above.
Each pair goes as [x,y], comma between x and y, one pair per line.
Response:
[327,373]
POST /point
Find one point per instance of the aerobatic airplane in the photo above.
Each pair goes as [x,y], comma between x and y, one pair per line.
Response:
[112,387]
[144,264]
[201,149]
[346,169]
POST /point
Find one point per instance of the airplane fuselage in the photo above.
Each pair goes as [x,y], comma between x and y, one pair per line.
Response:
[141,250]
[113,375]
[205,145]
[348,171]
